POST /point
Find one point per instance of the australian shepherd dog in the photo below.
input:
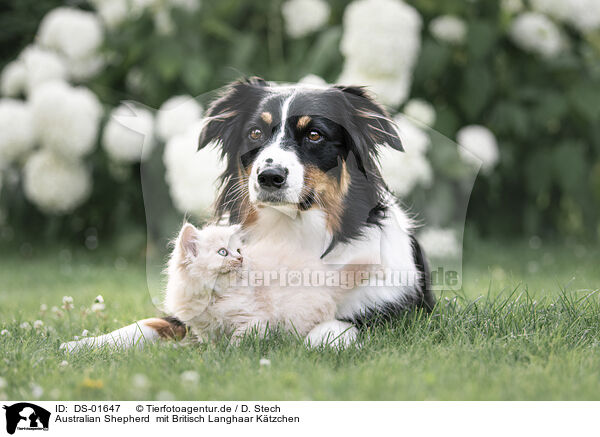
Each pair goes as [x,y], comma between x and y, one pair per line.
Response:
[303,179]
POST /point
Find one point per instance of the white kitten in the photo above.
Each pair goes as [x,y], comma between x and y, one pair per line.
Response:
[200,292]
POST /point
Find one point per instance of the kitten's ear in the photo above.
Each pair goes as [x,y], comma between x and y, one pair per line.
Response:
[188,241]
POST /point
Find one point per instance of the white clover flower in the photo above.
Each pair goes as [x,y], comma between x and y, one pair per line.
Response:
[478,145]
[421,111]
[112,12]
[66,118]
[264,362]
[176,116]
[129,134]
[190,377]
[38,324]
[140,381]
[41,66]
[439,243]
[191,173]
[54,184]
[64,363]
[67,303]
[75,33]
[25,325]
[165,395]
[43,308]
[98,307]
[537,34]
[14,79]
[302,17]
[99,299]
[381,42]
[16,127]
[449,29]
[5,332]
[36,391]
[314,80]
[85,333]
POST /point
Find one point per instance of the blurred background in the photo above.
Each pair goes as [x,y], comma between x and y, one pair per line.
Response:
[516,83]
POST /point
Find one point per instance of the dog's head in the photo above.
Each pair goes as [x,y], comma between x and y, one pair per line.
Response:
[299,147]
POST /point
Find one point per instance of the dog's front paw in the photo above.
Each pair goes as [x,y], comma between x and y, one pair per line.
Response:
[74,346]
[333,334]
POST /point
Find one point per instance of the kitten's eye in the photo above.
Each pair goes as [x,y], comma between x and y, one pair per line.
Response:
[314,135]
[255,133]
[222,251]
[239,251]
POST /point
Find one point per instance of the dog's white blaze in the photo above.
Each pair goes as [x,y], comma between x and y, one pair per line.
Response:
[285,158]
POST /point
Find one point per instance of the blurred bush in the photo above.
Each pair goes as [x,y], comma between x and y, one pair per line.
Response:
[517,84]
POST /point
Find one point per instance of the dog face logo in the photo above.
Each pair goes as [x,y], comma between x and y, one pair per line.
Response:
[26,416]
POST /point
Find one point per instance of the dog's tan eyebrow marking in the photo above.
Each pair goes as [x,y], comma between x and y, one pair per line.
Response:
[303,122]
[267,117]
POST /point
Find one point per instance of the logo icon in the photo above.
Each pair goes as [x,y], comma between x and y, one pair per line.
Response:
[26,416]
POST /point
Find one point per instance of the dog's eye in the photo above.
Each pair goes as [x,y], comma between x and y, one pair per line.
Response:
[314,135]
[255,133]
[239,251]
[222,251]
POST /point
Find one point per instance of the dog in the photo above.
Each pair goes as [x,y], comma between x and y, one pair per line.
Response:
[303,180]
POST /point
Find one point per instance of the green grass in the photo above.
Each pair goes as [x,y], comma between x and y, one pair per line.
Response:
[525,326]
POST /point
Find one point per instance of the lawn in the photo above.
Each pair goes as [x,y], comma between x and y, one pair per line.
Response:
[525,326]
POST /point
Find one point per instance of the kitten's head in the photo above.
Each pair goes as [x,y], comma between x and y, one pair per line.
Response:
[211,250]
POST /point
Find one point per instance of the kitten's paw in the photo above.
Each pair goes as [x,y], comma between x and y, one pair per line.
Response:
[333,334]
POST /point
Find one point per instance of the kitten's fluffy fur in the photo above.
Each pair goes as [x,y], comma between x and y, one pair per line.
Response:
[198,294]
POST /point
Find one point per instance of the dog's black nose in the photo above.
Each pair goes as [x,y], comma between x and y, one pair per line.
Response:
[272,177]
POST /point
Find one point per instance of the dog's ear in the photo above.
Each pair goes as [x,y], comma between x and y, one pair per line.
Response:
[370,118]
[219,121]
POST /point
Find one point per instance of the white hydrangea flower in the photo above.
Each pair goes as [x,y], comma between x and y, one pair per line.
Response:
[41,66]
[403,171]
[512,6]
[558,9]
[129,134]
[192,174]
[439,242]
[112,12]
[14,79]
[66,118]
[381,42]
[16,129]
[584,15]
[55,185]
[75,33]
[420,110]
[448,28]
[302,17]
[536,33]
[478,145]
[176,116]
[314,80]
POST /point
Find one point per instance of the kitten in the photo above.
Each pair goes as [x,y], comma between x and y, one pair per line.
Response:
[199,291]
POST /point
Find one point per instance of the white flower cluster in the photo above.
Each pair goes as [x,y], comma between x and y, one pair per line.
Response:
[34,66]
[16,127]
[536,33]
[421,111]
[583,15]
[176,116]
[129,134]
[449,29]
[55,184]
[302,17]
[403,171]
[66,118]
[381,42]
[77,36]
[190,173]
[478,145]
[439,242]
